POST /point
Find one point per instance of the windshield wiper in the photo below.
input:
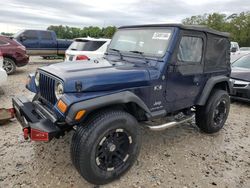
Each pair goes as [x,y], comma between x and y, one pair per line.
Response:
[141,53]
[118,51]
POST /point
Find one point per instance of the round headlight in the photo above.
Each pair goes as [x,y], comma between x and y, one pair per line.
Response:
[59,90]
[37,78]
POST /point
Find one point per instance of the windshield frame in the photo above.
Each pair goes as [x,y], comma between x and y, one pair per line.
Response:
[130,54]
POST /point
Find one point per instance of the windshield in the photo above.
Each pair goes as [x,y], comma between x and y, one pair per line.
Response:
[86,45]
[151,42]
[243,62]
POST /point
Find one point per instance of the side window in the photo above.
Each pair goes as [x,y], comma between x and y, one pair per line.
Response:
[32,35]
[46,35]
[190,50]
[2,43]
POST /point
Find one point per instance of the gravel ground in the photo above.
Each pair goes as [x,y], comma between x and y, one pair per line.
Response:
[178,157]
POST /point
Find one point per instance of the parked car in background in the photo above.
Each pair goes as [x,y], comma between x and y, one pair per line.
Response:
[3,74]
[86,48]
[237,52]
[14,54]
[42,42]
[240,79]
[244,48]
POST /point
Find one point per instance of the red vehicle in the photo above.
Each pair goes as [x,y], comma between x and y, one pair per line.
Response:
[14,54]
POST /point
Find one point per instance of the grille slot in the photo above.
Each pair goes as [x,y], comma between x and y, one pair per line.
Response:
[47,88]
[240,85]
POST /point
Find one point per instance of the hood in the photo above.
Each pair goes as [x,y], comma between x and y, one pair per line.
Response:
[99,75]
[240,73]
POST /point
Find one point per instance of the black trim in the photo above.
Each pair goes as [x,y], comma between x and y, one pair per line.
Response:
[210,85]
[34,117]
[240,98]
[107,100]
[181,26]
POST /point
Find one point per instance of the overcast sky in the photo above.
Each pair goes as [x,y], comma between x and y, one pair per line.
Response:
[39,14]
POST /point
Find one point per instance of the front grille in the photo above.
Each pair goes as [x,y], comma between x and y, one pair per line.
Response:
[47,88]
[240,85]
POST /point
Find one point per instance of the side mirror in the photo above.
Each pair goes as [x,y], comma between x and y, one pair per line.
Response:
[233,49]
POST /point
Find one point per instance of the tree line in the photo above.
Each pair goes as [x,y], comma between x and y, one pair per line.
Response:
[74,32]
[238,25]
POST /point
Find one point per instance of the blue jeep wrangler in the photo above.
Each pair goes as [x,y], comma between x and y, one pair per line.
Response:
[169,72]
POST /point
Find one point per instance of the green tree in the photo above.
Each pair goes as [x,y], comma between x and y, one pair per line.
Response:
[6,34]
[196,20]
[216,21]
[238,25]
[109,31]
[91,31]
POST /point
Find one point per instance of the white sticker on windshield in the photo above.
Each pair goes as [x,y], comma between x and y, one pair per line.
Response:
[161,36]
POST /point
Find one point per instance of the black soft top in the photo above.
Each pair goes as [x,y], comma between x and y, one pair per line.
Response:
[181,26]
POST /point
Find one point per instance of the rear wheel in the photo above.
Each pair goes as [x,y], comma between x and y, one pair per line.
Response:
[9,65]
[106,147]
[212,117]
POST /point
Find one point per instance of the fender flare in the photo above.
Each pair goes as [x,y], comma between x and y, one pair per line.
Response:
[210,85]
[107,100]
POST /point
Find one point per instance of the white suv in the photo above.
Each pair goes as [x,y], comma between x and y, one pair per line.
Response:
[3,74]
[86,48]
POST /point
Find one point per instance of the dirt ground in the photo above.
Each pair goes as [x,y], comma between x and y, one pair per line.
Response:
[178,157]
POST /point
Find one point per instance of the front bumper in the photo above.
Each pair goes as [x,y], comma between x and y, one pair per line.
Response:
[241,93]
[38,123]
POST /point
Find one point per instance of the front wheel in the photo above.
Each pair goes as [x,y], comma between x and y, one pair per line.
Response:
[106,147]
[212,117]
[9,65]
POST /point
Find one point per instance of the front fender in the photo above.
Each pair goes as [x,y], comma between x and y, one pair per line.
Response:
[102,101]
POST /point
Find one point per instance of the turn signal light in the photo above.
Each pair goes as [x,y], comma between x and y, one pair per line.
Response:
[37,135]
[26,133]
[62,106]
[79,114]
[82,57]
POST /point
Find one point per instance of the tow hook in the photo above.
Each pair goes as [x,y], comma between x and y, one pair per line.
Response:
[26,133]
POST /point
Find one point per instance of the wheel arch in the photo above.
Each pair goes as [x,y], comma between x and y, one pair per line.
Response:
[10,57]
[126,101]
[218,82]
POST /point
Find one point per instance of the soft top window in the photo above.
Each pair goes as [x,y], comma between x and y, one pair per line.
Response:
[217,54]
[190,49]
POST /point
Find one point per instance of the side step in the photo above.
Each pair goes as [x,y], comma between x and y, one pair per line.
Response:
[170,124]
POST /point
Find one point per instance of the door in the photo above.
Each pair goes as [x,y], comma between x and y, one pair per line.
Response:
[185,72]
[48,45]
[30,40]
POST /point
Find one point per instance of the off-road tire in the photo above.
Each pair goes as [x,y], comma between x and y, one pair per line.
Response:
[89,137]
[9,65]
[207,118]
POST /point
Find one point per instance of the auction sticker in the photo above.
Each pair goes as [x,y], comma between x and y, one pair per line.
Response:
[161,36]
